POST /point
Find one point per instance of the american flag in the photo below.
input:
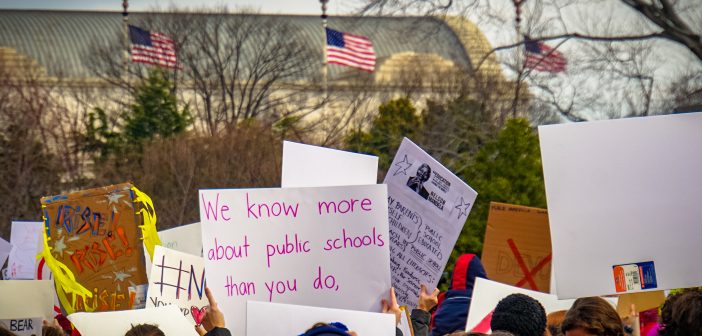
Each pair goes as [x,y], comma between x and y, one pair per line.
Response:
[541,57]
[350,50]
[152,48]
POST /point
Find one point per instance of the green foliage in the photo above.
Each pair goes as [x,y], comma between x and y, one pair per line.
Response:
[396,119]
[154,114]
[507,169]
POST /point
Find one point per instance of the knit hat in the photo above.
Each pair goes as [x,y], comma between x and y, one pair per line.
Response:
[519,314]
[331,329]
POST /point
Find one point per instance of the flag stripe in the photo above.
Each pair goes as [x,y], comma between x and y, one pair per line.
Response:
[350,50]
[350,60]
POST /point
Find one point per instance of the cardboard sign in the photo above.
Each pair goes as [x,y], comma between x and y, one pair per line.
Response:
[487,293]
[623,199]
[23,326]
[25,239]
[325,247]
[427,207]
[185,238]
[178,278]
[117,323]
[517,246]
[94,248]
[23,299]
[313,166]
[5,248]
[265,318]
[643,301]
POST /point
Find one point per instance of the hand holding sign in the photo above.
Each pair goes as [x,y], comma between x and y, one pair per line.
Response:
[392,307]
[213,317]
[427,301]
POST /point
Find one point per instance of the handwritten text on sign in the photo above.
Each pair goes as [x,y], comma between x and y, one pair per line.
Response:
[325,247]
[428,206]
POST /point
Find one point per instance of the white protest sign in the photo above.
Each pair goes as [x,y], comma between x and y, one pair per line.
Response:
[623,203]
[23,299]
[266,318]
[405,324]
[23,326]
[116,323]
[4,251]
[184,238]
[313,166]
[325,247]
[487,293]
[427,206]
[178,278]
[26,239]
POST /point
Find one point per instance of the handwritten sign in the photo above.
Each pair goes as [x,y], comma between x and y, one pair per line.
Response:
[517,246]
[23,326]
[116,323]
[266,318]
[487,293]
[178,278]
[325,247]
[313,166]
[184,238]
[23,299]
[25,239]
[94,248]
[427,207]
[623,199]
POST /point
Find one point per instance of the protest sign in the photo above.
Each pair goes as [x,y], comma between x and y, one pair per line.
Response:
[4,251]
[325,247]
[405,325]
[487,293]
[643,301]
[517,246]
[185,238]
[25,241]
[266,318]
[178,278]
[427,207]
[117,323]
[313,166]
[23,326]
[23,299]
[93,246]
[623,203]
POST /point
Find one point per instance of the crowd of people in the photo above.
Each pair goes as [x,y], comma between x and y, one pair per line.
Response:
[445,314]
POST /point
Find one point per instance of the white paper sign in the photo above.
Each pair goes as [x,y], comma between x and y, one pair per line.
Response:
[4,251]
[266,318]
[23,326]
[27,299]
[116,323]
[325,247]
[624,203]
[178,278]
[184,238]
[487,293]
[313,166]
[26,239]
[404,324]
[427,206]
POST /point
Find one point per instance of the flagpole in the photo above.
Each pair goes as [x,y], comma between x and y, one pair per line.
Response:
[520,65]
[125,36]
[324,49]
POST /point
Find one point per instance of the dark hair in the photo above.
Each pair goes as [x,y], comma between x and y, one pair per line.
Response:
[5,332]
[682,314]
[52,331]
[519,314]
[594,315]
[554,321]
[144,330]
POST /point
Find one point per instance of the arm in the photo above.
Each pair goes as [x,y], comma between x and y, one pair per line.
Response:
[421,316]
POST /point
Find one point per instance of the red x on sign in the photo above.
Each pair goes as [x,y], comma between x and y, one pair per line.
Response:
[528,274]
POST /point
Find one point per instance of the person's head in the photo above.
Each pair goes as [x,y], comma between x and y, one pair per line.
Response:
[520,315]
[682,314]
[144,330]
[49,330]
[328,329]
[5,332]
[423,172]
[592,316]
[554,321]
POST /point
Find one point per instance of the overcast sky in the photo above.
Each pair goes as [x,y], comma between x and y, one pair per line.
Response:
[266,6]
